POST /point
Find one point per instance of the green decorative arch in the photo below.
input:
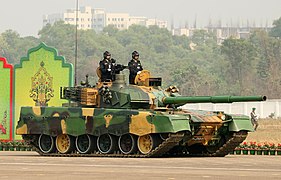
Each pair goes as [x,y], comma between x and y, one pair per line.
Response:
[56,58]
[38,78]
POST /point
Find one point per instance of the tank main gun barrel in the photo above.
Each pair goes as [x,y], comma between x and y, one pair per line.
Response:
[211,99]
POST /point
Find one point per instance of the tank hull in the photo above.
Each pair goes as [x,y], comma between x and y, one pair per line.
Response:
[76,131]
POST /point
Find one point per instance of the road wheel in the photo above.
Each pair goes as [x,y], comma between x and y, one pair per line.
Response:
[65,143]
[46,143]
[164,136]
[127,144]
[85,143]
[106,143]
[147,143]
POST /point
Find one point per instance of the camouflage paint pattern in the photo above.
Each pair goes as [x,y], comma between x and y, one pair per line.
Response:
[96,121]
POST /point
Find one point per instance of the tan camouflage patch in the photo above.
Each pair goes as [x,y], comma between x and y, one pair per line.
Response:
[22,130]
[56,115]
[152,97]
[151,100]
[36,110]
[142,78]
[63,126]
[216,119]
[205,134]
[88,111]
[140,126]
[107,119]
[211,119]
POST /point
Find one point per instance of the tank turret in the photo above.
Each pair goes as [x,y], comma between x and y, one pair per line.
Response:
[147,94]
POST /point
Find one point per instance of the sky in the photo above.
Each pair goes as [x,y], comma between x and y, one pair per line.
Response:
[26,16]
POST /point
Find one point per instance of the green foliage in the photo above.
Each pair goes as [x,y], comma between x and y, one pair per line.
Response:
[61,36]
[110,30]
[197,65]
[276,30]
[268,58]
[13,47]
[240,54]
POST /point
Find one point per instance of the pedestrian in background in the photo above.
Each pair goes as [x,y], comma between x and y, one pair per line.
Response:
[254,119]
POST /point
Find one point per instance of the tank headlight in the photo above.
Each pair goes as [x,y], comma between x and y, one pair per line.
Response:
[223,117]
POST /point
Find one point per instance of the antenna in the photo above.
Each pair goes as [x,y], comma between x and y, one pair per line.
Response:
[76,45]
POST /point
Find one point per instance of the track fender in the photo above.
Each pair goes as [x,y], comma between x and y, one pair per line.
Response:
[240,123]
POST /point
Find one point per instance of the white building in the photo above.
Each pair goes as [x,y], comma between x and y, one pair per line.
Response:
[156,22]
[182,31]
[118,20]
[140,20]
[84,17]
[97,19]
[52,18]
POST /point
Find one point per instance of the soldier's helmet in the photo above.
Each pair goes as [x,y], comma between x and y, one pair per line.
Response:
[105,54]
[134,54]
[253,108]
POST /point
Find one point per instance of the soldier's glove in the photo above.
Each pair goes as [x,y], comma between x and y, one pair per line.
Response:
[139,72]
[109,70]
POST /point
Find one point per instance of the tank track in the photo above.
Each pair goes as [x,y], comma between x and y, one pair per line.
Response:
[231,144]
[235,139]
[161,149]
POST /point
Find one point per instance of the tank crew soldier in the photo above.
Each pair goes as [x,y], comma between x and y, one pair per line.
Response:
[106,67]
[134,67]
[254,119]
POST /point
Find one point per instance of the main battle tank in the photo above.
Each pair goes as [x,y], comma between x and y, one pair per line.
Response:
[119,120]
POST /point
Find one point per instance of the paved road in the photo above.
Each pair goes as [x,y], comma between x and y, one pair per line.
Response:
[30,166]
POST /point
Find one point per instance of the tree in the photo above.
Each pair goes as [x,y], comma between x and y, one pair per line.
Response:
[14,47]
[110,30]
[3,46]
[240,55]
[202,37]
[276,30]
[268,76]
[60,36]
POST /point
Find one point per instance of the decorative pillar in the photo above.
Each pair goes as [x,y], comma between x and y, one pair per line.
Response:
[38,78]
[6,89]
